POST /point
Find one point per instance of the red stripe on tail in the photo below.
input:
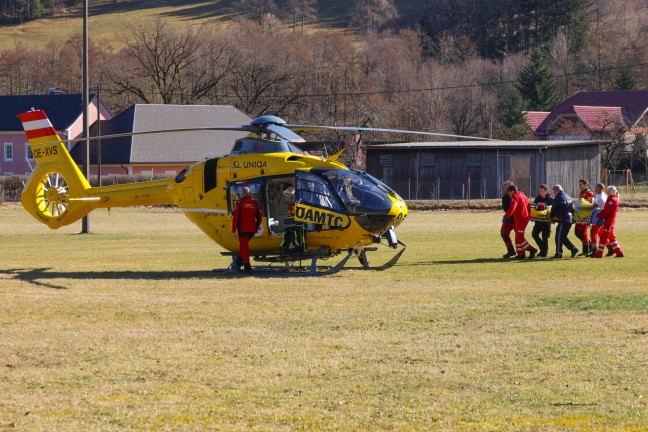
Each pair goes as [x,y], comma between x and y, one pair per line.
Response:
[39,133]
[32,115]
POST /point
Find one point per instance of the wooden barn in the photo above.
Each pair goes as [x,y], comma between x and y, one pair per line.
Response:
[476,169]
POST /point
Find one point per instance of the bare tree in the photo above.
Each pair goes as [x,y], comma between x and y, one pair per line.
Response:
[301,11]
[255,9]
[160,63]
[373,14]
[268,80]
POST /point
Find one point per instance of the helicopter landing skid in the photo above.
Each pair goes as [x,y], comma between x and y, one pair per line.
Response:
[291,264]
[366,265]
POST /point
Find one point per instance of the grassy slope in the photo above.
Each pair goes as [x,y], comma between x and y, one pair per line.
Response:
[108,19]
[125,329]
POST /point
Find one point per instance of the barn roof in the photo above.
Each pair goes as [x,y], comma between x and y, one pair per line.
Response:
[483,145]
[62,109]
[185,147]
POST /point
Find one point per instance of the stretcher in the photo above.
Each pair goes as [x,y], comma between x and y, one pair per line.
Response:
[582,211]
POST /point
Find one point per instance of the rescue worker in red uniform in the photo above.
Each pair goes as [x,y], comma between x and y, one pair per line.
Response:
[608,214]
[519,209]
[581,229]
[507,223]
[246,220]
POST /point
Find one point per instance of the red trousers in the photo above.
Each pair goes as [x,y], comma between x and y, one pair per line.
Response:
[505,232]
[521,244]
[244,243]
[595,234]
[608,237]
[581,232]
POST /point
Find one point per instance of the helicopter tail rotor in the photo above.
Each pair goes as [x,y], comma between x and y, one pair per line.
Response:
[56,190]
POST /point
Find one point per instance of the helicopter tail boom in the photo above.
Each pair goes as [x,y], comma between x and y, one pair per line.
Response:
[57,193]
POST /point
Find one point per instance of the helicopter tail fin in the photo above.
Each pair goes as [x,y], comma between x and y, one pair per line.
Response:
[335,156]
[56,189]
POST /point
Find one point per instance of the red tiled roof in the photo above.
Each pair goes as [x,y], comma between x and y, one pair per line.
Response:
[535,118]
[633,102]
[599,119]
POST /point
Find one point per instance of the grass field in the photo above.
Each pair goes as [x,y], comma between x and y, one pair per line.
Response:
[127,329]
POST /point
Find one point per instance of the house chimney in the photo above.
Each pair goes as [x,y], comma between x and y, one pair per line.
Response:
[54,90]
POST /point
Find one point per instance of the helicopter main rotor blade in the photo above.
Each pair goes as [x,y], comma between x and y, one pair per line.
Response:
[363,129]
[244,128]
[285,133]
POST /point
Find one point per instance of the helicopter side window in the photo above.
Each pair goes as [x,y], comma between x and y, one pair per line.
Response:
[313,190]
[236,193]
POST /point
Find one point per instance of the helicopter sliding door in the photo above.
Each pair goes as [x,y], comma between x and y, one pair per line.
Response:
[235,194]
[316,205]
[280,196]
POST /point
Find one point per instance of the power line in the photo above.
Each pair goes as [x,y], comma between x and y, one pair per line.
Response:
[417,90]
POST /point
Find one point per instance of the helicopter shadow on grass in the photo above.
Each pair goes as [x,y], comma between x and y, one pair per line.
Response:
[44,276]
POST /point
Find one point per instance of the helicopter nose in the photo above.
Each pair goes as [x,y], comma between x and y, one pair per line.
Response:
[398,211]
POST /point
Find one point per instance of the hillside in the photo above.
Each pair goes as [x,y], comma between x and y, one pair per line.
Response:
[108,18]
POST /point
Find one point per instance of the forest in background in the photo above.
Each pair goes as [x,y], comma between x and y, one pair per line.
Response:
[467,67]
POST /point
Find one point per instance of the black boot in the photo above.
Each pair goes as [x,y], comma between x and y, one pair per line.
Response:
[247,268]
[574,252]
[610,251]
[532,253]
[510,253]
[586,250]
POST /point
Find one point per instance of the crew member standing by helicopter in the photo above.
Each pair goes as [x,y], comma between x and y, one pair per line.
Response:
[246,220]
[582,229]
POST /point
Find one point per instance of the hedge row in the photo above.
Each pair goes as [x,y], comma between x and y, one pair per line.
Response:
[11,186]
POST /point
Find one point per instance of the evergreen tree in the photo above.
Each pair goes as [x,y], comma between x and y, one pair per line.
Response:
[625,81]
[512,118]
[536,84]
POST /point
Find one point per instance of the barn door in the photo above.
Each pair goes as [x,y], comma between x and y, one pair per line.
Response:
[520,167]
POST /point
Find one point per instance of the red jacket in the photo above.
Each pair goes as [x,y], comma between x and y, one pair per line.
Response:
[519,208]
[247,216]
[610,210]
[588,195]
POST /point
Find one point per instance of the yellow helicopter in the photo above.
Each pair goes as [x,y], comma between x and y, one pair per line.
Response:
[337,209]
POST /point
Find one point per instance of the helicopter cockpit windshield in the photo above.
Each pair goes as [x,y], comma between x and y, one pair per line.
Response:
[359,194]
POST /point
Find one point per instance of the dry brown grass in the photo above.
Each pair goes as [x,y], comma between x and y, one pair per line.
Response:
[126,329]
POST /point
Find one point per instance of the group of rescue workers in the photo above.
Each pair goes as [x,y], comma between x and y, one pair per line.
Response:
[595,233]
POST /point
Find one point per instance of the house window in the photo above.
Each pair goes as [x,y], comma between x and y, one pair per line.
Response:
[8,152]
[29,155]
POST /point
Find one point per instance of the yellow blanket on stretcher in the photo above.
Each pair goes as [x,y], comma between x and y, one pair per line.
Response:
[582,212]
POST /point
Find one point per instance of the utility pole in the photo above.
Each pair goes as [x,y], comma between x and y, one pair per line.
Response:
[85,222]
[99,134]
